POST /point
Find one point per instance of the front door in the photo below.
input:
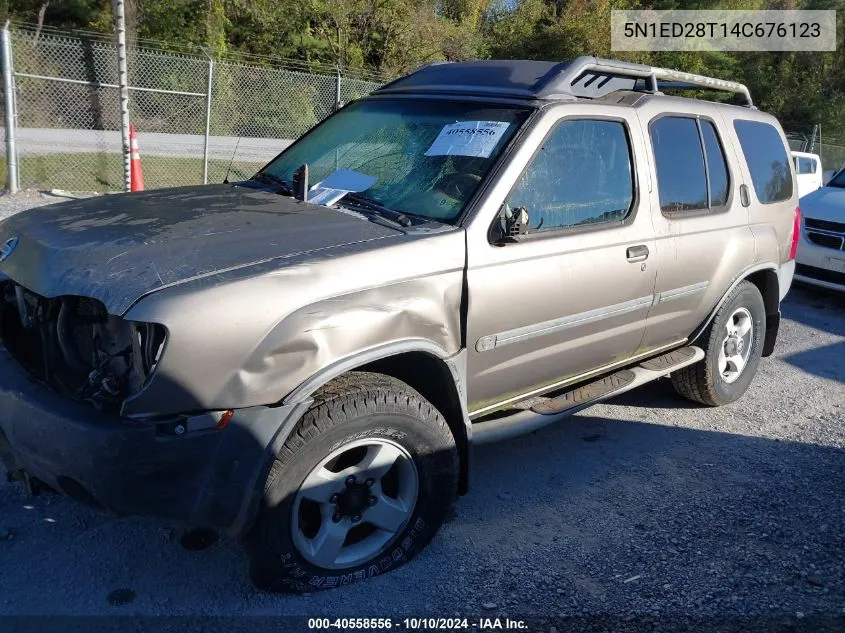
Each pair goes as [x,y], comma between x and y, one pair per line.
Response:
[572,294]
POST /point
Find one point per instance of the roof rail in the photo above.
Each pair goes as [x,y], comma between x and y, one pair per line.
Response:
[587,77]
[579,77]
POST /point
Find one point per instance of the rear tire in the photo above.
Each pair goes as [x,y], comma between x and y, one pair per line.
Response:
[733,346]
[358,489]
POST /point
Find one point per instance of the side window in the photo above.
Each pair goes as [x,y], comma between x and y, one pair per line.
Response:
[581,175]
[805,165]
[717,170]
[767,160]
[681,175]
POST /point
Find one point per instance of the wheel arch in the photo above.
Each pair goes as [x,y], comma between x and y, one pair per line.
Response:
[426,367]
[765,278]
[768,284]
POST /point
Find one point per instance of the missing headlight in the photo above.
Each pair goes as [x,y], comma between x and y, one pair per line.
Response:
[74,345]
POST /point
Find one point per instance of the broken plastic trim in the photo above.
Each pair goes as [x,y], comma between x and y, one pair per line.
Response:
[76,347]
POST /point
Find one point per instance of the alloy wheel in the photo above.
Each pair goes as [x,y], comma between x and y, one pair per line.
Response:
[736,345]
[354,503]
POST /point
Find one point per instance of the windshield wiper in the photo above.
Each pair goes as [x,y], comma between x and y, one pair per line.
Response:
[284,185]
[379,209]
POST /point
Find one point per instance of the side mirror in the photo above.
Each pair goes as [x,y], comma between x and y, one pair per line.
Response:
[511,224]
[515,221]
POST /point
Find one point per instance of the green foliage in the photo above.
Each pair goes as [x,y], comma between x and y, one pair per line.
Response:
[800,88]
[392,37]
[59,13]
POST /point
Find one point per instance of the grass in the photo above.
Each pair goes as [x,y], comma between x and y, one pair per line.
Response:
[104,171]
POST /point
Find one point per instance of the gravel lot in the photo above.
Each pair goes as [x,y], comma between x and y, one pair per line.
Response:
[644,505]
[24,200]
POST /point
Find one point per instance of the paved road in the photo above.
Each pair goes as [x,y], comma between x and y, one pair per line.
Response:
[42,141]
[644,505]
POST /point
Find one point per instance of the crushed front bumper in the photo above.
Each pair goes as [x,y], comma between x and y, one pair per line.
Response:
[207,477]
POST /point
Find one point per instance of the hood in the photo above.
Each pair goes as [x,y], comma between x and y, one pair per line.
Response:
[827,203]
[118,248]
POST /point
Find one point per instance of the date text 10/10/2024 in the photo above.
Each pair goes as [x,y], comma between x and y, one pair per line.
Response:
[416,624]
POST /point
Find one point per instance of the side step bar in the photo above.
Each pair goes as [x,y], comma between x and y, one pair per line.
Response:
[551,410]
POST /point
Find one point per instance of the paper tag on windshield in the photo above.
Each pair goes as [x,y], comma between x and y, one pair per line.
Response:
[468,138]
[326,196]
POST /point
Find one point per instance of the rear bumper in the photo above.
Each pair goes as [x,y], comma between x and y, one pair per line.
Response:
[786,273]
[209,477]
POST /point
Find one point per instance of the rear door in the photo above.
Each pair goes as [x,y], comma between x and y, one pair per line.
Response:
[572,294]
[772,187]
[702,236]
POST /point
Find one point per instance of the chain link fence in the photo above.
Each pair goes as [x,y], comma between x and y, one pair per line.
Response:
[832,154]
[197,117]
[831,151]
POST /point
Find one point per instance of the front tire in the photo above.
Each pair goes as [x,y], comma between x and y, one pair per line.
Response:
[358,489]
[733,346]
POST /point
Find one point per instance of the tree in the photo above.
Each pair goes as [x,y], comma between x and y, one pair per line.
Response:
[392,37]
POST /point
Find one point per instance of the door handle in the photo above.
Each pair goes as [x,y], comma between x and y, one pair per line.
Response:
[743,196]
[637,253]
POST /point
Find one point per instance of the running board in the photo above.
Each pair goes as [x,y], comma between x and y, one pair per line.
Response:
[550,410]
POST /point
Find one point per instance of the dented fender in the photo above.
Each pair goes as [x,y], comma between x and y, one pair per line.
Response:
[284,325]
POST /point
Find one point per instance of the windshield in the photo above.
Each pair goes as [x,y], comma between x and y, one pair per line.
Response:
[838,180]
[427,157]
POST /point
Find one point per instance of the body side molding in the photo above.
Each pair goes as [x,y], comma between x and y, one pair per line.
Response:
[486,343]
[741,277]
[677,293]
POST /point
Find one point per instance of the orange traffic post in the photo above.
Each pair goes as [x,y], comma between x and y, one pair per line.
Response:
[137,175]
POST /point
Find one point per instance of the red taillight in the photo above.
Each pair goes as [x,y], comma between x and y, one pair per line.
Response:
[796,233]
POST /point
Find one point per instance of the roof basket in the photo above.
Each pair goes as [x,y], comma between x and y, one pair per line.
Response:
[595,77]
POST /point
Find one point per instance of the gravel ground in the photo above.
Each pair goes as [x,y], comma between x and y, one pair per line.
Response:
[644,505]
[25,199]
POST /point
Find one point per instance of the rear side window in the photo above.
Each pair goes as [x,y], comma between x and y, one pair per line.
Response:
[767,161]
[581,175]
[805,165]
[717,171]
[692,174]
[681,180]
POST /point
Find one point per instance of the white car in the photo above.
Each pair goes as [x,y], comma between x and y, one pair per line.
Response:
[821,250]
[808,169]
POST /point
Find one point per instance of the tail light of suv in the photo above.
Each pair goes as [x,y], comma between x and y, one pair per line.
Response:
[796,233]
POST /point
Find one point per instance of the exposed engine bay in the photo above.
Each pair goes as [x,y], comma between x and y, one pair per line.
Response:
[76,347]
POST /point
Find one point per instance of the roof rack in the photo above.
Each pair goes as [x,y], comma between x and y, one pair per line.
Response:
[595,77]
[588,77]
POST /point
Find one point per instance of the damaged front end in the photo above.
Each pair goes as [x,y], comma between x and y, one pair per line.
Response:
[76,347]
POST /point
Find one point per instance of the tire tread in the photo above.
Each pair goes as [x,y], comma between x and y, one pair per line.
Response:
[697,382]
[354,395]
[349,398]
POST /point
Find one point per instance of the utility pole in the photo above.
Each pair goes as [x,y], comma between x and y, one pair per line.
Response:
[123,83]
[816,133]
[207,117]
[11,115]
